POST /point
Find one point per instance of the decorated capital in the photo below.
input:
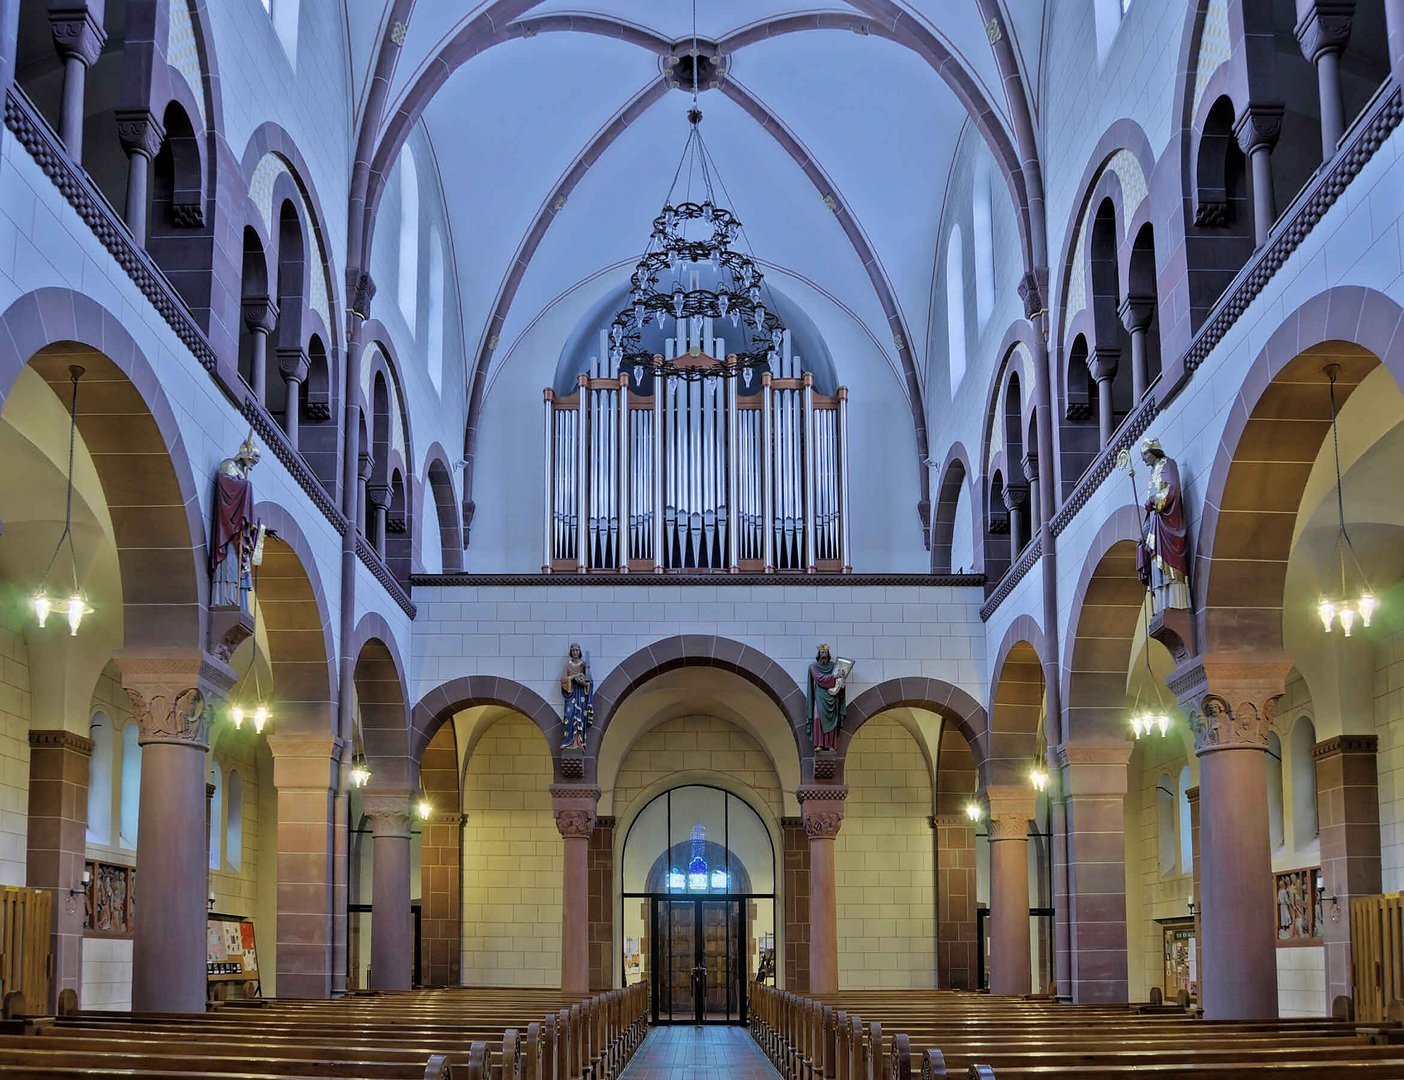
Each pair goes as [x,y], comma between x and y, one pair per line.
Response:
[389,813]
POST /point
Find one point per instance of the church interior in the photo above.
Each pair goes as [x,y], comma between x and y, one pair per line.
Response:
[551,539]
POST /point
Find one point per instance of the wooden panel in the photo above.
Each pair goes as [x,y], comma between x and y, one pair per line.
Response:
[26,922]
[1377,954]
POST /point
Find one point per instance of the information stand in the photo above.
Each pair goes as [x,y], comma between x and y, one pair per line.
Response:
[231,958]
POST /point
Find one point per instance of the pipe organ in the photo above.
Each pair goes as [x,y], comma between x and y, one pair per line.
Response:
[655,473]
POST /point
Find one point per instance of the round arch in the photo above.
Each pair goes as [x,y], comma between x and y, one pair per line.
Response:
[945,699]
[439,705]
[1016,709]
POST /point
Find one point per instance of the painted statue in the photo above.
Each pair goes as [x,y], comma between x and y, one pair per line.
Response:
[237,544]
[827,698]
[1162,557]
[579,694]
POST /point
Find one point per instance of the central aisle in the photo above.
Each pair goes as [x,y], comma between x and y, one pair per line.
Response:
[678,1052]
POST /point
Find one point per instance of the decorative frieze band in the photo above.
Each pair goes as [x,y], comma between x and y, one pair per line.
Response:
[1346,744]
[58,738]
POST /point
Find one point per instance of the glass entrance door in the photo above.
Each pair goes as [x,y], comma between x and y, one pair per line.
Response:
[699,949]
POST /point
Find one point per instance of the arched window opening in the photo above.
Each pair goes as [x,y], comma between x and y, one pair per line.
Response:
[284,14]
[131,788]
[982,236]
[292,289]
[234,823]
[1186,823]
[1276,834]
[100,766]
[434,334]
[1222,210]
[1165,823]
[996,533]
[963,533]
[253,285]
[1305,822]
[1016,489]
[951,549]
[1141,304]
[1111,346]
[955,307]
[216,829]
[409,238]
[1080,437]
[397,529]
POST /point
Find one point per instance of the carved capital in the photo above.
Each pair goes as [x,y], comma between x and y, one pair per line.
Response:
[378,496]
[260,314]
[1136,312]
[389,813]
[293,364]
[140,132]
[1325,27]
[1230,699]
[1259,126]
[1031,295]
[362,290]
[78,35]
[576,823]
[822,825]
[1030,465]
[1103,362]
[1013,826]
[171,694]
[1016,497]
[1219,724]
[365,465]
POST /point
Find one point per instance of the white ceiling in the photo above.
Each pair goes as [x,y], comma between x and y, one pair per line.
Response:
[875,117]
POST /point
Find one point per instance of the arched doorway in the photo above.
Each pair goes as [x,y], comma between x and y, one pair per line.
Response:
[698,899]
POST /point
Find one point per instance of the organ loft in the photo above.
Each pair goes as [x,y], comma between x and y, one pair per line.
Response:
[565,543]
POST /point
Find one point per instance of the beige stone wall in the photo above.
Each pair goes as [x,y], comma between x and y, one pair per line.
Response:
[885,863]
[14,741]
[236,890]
[511,861]
[696,744]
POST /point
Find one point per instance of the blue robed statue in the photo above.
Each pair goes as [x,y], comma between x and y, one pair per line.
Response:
[579,693]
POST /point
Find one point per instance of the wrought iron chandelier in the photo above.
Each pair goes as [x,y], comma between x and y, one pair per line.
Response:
[75,605]
[1341,608]
[691,242]
[1152,714]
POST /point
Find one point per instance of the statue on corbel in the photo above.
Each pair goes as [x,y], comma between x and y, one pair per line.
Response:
[827,699]
[236,544]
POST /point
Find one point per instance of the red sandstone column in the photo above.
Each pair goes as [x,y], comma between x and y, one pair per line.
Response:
[392,931]
[821,810]
[957,937]
[1094,777]
[1010,970]
[58,826]
[1347,796]
[1231,702]
[575,818]
[170,700]
[306,771]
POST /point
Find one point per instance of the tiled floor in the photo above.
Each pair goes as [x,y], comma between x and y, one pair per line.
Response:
[691,1053]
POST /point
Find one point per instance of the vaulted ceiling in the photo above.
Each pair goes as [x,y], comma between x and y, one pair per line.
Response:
[834,129]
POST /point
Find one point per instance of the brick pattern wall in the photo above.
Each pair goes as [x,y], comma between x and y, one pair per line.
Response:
[512,857]
[957,941]
[603,961]
[441,938]
[795,852]
[885,873]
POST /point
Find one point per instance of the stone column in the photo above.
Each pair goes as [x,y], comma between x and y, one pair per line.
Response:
[1010,965]
[293,365]
[1323,32]
[1257,130]
[58,827]
[260,316]
[1231,701]
[1094,777]
[1348,811]
[1030,467]
[379,495]
[170,698]
[365,465]
[392,928]
[1192,797]
[1016,501]
[306,772]
[575,818]
[1136,313]
[1103,364]
[795,963]
[78,38]
[821,811]
[957,935]
[141,135]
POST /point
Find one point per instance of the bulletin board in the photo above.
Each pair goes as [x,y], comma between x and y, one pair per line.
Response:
[231,955]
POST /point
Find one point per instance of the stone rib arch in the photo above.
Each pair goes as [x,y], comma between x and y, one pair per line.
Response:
[950,702]
[438,707]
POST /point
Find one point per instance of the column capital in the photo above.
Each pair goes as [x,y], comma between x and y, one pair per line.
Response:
[1259,125]
[140,132]
[1030,466]
[1008,826]
[821,809]
[378,495]
[1231,699]
[1016,497]
[78,34]
[1325,27]
[389,813]
[171,694]
[260,313]
[1192,795]
[822,824]
[293,363]
[1093,768]
[362,290]
[1103,361]
[365,465]
[1340,745]
[574,806]
[1136,312]
[1031,295]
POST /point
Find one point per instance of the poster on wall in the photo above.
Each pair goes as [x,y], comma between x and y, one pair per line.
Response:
[1297,906]
[230,954]
[633,956]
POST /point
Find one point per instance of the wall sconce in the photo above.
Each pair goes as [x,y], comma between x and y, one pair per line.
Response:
[211,901]
[974,811]
[81,889]
[1189,903]
[1039,779]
